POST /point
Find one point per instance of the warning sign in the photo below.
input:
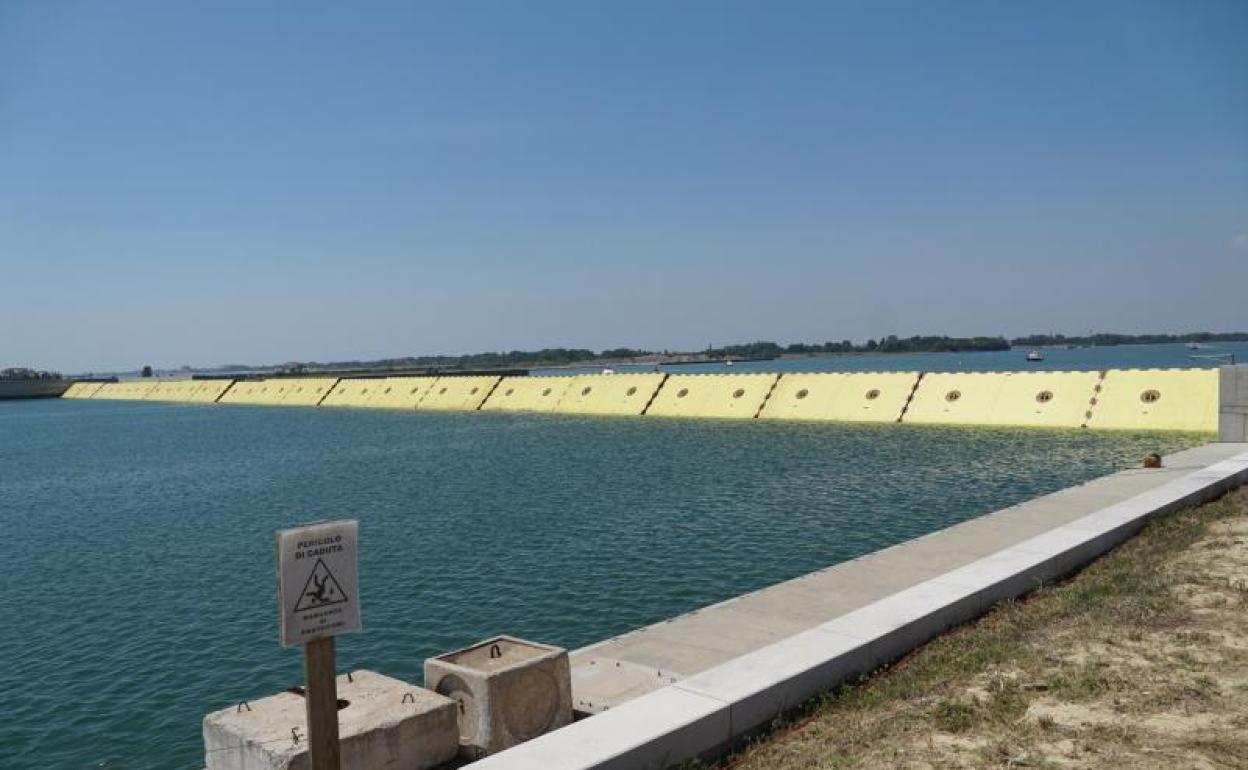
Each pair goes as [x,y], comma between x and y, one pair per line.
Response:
[317,581]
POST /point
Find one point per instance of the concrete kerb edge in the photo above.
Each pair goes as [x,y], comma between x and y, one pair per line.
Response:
[743,695]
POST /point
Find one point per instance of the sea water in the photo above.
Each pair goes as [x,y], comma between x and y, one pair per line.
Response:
[138,589]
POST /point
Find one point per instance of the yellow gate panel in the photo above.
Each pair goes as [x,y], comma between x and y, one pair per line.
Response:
[399,392]
[458,393]
[355,391]
[620,394]
[171,390]
[842,396]
[955,398]
[712,395]
[270,392]
[305,391]
[129,390]
[1044,399]
[1157,399]
[527,394]
[243,392]
[82,390]
[208,391]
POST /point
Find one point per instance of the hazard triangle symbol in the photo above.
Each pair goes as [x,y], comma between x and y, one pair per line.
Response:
[321,590]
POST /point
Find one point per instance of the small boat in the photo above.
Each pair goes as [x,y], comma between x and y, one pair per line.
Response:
[1035,356]
[728,362]
[608,370]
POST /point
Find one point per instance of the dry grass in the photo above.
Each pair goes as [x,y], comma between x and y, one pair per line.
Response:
[1139,661]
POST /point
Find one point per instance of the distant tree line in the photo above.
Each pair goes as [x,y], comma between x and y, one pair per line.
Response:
[890,344]
[1036,340]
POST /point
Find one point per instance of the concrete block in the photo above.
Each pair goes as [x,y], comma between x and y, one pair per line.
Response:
[653,732]
[1233,385]
[377,728]
[508,691]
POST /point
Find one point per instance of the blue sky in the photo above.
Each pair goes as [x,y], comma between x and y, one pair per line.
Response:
[207,183]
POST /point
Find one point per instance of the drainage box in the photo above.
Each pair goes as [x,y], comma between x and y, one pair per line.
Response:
[508,690]
[382,723]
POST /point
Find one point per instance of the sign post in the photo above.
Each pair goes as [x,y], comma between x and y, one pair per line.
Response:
[318,594]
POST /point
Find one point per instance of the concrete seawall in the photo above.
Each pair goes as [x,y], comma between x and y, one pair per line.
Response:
[1201,400]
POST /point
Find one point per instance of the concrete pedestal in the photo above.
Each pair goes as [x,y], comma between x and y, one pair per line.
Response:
[508,691]
[1233,403]
[386,725]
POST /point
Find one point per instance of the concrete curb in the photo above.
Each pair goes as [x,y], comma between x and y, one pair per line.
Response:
[703,715]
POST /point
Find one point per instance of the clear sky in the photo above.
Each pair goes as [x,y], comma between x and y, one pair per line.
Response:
[239,182]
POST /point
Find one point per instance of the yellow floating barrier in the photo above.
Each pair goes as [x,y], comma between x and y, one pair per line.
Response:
[712,395]
[618,394]
[82,390]
[1033,399]
[128,390]
[354,391]
[1157,399]
[170,390]
[458,393]
[305,391]
[243,392]
[271,392]
[1045,399]
[527,394]
[841,396]
[399,392]
[208,391]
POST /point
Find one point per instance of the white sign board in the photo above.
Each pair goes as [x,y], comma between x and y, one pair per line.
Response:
[318,584]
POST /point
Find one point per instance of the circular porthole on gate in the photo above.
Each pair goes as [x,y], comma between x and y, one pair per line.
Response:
[440,392]
[682,393]
[738,393]
[803,393]
[509,391]
[1150,396]
[585,391]
[872,394]
[363,391]
[473,392]
[1044,396]
[386,392]
[546,392]
[953,395]
[631,391]
[413,391]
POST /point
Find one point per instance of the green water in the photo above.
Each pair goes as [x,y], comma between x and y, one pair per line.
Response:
[139,590]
